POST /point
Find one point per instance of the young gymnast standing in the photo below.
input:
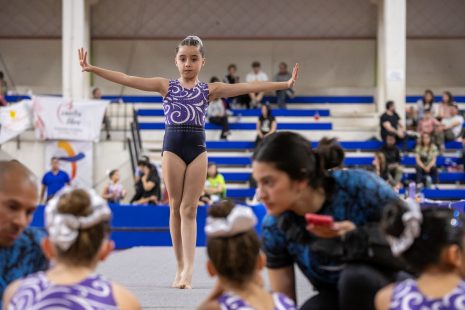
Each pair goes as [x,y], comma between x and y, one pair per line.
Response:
[185,102]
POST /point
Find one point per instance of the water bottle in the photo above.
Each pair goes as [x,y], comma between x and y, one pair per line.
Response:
[412,190]
[428,182]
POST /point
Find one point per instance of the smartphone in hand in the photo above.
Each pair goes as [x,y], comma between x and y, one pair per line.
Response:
[319,220]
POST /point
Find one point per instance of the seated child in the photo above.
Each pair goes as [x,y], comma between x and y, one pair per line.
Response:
[431,241]
[234,256]
[78,224]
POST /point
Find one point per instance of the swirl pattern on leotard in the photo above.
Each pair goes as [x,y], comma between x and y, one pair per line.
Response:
[37,292]
[407,296]
[230,301]
[184,106]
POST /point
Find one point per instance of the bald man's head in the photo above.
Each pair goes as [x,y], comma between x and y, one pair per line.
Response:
[18,200]
[15,171]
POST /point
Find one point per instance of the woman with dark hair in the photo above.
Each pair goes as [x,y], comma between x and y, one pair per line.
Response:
[331,150]
[425,103]
[293,181]
[431,241]
[445,106]
[266,124]
[425,157]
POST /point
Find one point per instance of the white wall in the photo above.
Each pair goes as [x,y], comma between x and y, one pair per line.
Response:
[36,64]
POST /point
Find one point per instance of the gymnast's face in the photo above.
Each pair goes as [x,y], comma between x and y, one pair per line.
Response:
[275,189]
[189,61]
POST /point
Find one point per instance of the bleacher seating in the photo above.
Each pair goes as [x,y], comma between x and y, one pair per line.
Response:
[314,117]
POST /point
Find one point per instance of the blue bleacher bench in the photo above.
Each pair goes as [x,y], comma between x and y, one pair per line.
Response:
[348,161]
[443,176]
[437,194]
[370,145]
[251,112]
[248,126]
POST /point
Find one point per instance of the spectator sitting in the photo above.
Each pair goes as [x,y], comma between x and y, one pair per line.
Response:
[76,250]
[331,150]
[392,155]
[426,154]
[425,103]
[20,252]
[234,257]
[54,180]
[389,122]
[379,166]
[215,186]
[283,95]
[217,113]
[256,75]
[431,242]
[97,95]
[428,124]
[410,119]
[444,108]
[450,129]
[148,190]
[114,191]
[3,90]
[233,78]
[204,199]
[266,124]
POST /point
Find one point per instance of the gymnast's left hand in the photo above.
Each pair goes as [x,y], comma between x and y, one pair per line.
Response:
[295,75]
[338,229]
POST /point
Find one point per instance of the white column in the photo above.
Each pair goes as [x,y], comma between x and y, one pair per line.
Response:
[391,54]
[76,34]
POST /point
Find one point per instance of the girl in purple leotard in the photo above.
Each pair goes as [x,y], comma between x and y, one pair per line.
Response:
[184,155]
[78,223]
[432,242]
[234,256]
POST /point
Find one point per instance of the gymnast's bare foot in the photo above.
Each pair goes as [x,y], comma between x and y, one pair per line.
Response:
[177,280]
[186,281]
[185,285]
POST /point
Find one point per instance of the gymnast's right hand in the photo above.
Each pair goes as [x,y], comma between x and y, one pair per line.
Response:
[83,60]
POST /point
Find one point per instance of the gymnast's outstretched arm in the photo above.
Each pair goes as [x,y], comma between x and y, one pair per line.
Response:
[223,90]
[155,84]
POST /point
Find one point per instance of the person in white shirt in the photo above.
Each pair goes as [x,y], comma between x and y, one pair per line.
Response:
[256,75]
[217,113]
[450,129]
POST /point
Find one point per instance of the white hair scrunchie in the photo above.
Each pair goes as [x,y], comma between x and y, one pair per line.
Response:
[239,220]
[412,220]
[63,229]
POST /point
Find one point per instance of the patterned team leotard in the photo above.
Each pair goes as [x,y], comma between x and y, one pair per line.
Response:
[407,296]
[185,110]
[37,292]
[229,301]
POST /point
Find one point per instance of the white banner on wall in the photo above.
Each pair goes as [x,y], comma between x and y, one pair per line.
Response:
[14,120]
[64,118]
[75,158]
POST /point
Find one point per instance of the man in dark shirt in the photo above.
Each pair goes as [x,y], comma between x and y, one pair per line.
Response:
[392,155]
[20,252]
[389,123]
